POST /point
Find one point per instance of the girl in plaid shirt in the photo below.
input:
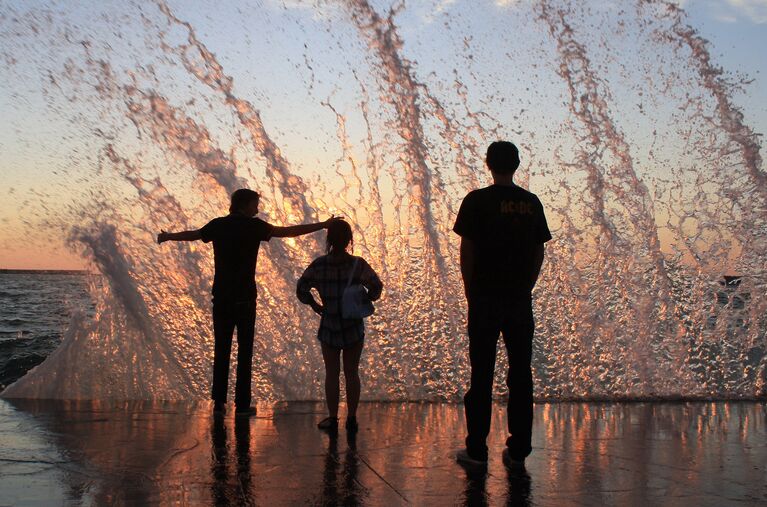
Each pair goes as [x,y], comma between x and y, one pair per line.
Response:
[329,275]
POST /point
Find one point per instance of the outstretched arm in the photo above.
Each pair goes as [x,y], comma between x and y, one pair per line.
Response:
[291,231]
[179,236]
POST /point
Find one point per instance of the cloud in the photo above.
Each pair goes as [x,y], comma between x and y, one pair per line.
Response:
[431,12]
[726,18]
[443,4]
[322,11]
[755,10]
[728,11]
[426,11]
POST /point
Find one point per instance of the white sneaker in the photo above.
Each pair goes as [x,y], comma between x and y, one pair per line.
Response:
[462,456]
[512,464]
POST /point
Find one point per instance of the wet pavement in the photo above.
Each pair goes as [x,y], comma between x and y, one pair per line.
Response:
[163,453]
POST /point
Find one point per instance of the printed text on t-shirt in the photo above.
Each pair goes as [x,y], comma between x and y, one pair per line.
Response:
[517,207]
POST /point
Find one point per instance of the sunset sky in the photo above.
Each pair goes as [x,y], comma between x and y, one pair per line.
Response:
[40,156]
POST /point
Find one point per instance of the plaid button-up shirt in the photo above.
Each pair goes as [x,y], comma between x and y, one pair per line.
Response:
[329,276]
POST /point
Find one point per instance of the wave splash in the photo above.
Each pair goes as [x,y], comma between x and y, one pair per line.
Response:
[643,190]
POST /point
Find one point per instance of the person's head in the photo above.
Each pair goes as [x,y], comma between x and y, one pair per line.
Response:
[244,201]
[502,157]
[339,236]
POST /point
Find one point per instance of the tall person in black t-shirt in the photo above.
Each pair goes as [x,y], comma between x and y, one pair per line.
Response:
[236,238]
[503,229]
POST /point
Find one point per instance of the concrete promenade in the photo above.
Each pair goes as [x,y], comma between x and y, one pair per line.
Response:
[175,453]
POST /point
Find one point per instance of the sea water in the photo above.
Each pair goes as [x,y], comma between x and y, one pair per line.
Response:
[35,310]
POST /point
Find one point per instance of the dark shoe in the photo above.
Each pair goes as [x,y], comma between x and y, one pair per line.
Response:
[219,407]
[351,425]
[463,457]
[245,411]
[514,465]
[328,424]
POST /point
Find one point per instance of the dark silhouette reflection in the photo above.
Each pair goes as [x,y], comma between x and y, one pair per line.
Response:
[219,463]
[475,492]
[226,488]
[340,481]
[242,448]
[519,486]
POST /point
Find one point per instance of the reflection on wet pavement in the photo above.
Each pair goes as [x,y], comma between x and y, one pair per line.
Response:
[150,453]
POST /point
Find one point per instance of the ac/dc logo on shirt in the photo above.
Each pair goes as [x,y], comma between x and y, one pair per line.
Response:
[517,207]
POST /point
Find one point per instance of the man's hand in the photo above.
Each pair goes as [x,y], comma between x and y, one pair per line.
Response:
[162,237]
[318,309]
[330,220]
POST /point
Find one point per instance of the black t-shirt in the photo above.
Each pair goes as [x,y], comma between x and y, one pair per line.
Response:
[236,239]
[506,224]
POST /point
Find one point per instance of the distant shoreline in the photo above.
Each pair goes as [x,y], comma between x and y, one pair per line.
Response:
[43,271]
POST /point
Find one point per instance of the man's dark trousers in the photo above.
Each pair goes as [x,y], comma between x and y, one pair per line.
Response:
[513,318]
[226,317]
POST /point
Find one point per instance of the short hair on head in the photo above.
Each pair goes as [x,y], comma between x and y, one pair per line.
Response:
[241,198]
[502,157]
[339,235]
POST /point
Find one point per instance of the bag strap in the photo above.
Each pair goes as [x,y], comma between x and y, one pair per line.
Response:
[351,274]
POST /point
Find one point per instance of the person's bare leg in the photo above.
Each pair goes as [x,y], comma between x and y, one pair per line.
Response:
[351,358]
[332,358]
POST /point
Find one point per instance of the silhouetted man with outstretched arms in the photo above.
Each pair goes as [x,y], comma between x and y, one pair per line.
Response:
[236,238]
[503,229]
